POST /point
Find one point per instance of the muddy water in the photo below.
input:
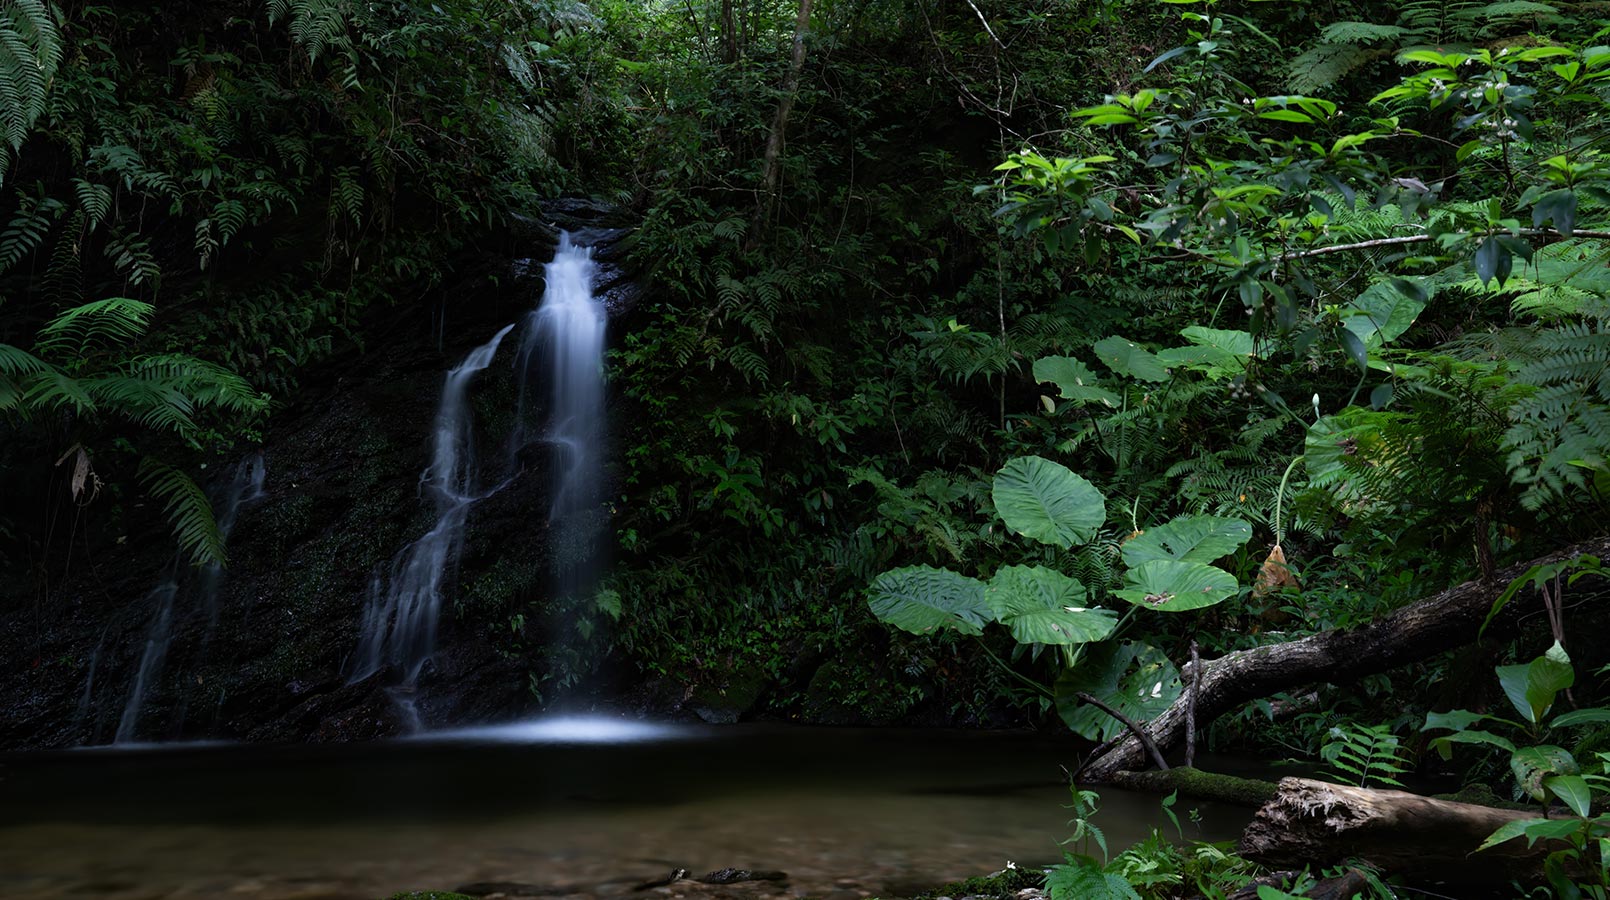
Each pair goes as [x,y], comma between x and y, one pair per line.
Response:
[567,811]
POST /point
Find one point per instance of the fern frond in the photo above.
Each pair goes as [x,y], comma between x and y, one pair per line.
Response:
[113,321]
[30,51]
[195,528]
[27,229]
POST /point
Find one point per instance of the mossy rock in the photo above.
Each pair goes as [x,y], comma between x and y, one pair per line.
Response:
[1002,885]
[724,702]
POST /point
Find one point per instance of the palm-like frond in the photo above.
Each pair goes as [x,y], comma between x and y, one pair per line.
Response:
[30,51]
[113,321]
[187,509]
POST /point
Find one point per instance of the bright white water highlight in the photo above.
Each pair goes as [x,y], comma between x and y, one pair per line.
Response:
[560,730]
[565,337]
[399,624]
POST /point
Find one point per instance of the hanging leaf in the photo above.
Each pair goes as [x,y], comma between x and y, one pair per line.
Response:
[1531,687]
[1533,830]
[1171,585]
[1191,538]
[1134,678]
[1572,791]
[1274,575]
[1044,606]
[1531,765]
[1129,358]
[1043,500]
[923,599]
[1355,348]
[1384,311]
[1073,379]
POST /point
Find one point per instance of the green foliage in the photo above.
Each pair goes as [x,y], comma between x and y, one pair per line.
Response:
[187,508]
[1361,754]
[30,52]
[1045,501]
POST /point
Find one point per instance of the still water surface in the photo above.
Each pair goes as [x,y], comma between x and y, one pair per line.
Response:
[583,809]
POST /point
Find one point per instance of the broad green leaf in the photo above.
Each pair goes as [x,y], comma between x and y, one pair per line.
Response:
[1443,745]
[1043,500]
[1531,688]
[1073,379]
[1133,678]
[1384,312]
[1044,606]
[1580,717]
[1231,344]
[1454,720]
[1533,830]
[1572,791]
[1196,357]
[1531,765]
[1190,538]
[1129,358]
[922,599]
[1173,585]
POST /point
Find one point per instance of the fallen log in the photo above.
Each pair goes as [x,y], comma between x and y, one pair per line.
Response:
[1315,823]
[1422,629]
[1199,785]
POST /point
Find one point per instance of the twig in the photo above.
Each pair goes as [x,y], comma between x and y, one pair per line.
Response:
[1139,732]
[1190,707]
[1423,238]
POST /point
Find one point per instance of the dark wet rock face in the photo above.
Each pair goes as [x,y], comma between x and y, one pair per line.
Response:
[269,658]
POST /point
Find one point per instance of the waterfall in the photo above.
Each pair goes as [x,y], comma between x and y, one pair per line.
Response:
[157,638]
[244,486]
[566,331]
[399,622]
[561,348]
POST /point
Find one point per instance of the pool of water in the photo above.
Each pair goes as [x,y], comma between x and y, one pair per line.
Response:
[580,808]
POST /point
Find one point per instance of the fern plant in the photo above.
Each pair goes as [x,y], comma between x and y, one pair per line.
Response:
[1345,47]
[80,362]
[1360,754]
[30,51]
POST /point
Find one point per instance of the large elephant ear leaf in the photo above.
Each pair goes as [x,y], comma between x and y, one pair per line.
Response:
[1126,357]
[1073,379]
[923,599]
[1043,500]
[1191,538]
[1173,585]
[1134,678]
[1044,606]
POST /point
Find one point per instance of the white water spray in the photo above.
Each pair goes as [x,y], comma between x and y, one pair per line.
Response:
[399,624]
[565,337]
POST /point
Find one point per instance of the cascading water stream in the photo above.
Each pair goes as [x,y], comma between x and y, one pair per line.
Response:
[567,332]
[561,345]
[245,485]
[399,624]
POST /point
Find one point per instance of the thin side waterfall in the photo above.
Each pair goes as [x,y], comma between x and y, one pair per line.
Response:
[563,344]
[244,486]
[399,622]
[157,639]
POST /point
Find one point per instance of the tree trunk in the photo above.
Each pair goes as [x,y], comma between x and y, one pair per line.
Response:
[772,162]
[1422,629]
[1314,823]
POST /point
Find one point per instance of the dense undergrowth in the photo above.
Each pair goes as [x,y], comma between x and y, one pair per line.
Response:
[1324,278]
